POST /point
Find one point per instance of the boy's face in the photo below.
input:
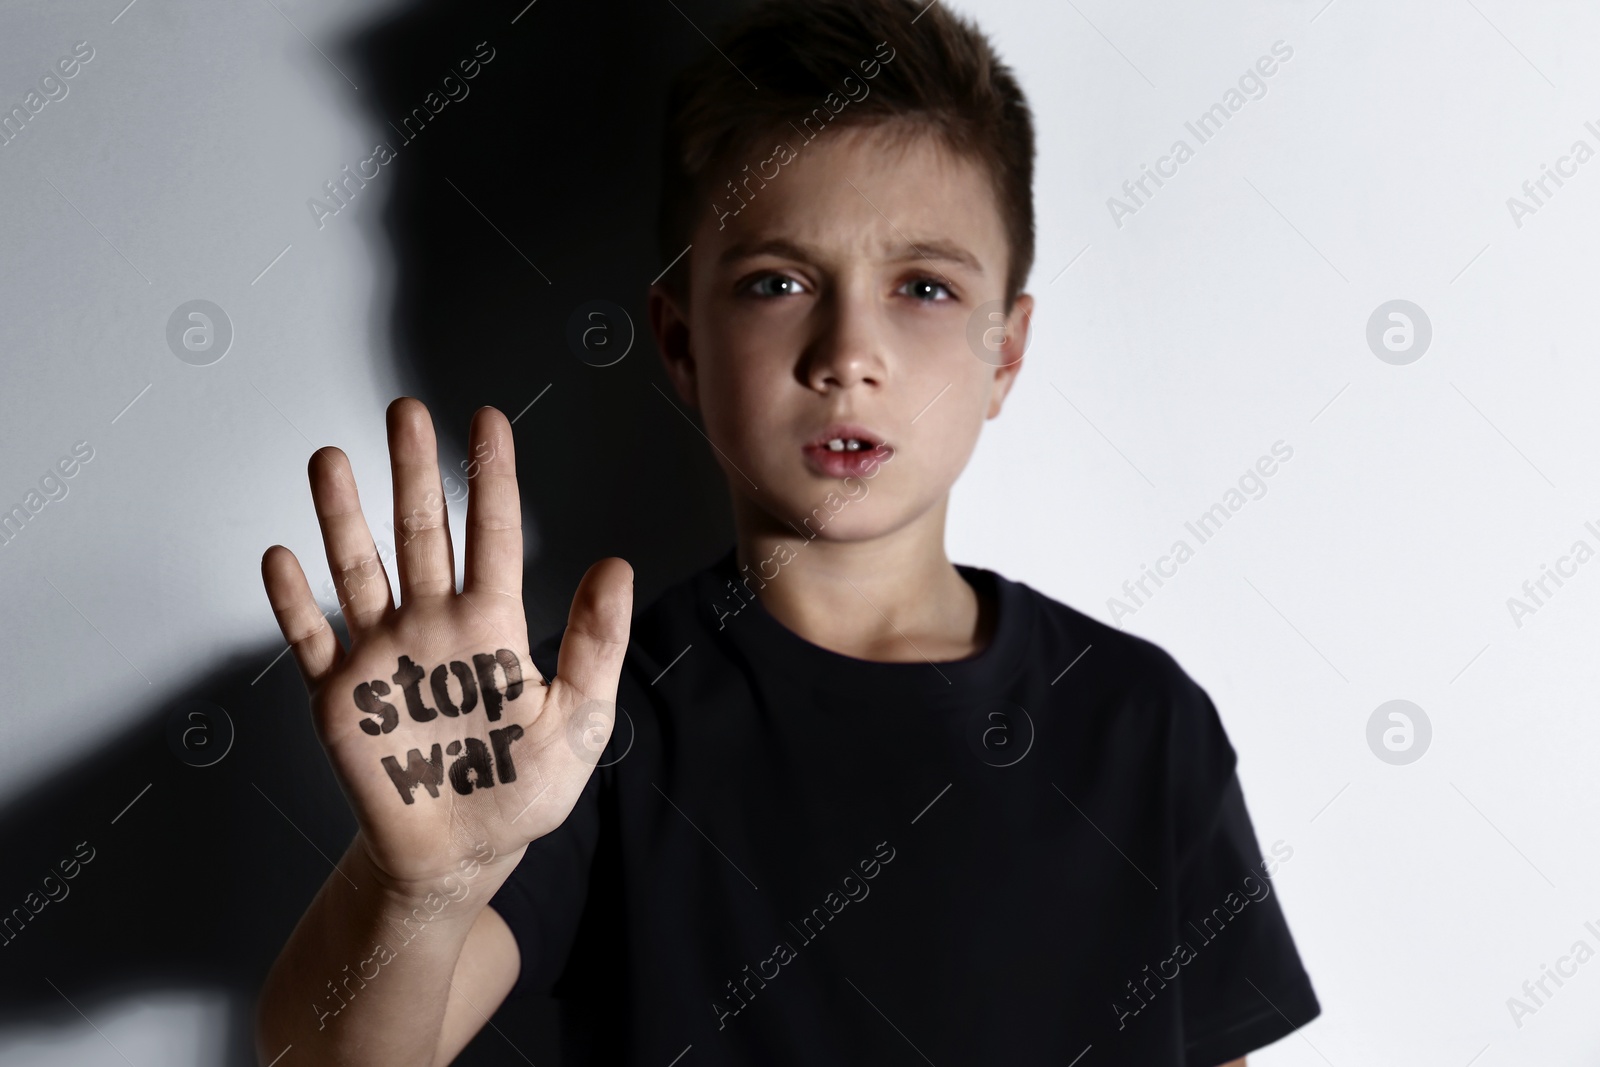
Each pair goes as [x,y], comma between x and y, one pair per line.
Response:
[837,303]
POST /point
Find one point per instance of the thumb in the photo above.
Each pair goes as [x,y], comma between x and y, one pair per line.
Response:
[596,638]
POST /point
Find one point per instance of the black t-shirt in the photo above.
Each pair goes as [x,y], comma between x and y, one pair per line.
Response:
[792,856]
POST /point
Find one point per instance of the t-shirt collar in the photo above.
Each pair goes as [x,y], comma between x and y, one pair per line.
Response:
[735,613]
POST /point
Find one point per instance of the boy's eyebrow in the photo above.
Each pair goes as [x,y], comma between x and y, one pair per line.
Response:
[927,248]
[938,248]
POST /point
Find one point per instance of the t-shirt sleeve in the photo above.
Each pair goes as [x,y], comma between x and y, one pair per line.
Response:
[1243,985]
[543,899]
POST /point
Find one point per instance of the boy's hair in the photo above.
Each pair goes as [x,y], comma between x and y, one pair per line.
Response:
[790,69]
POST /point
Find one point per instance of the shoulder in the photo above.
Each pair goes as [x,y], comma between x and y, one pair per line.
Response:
[1140,692]
[1128,685]
[1135,666]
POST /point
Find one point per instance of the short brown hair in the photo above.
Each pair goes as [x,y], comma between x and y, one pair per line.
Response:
[777,65]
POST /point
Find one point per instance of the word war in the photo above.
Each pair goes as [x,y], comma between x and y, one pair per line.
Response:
[493,679]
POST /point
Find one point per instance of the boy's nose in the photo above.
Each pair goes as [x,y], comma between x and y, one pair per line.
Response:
[848,351]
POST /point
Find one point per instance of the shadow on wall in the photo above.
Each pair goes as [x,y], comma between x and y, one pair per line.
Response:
[529,192]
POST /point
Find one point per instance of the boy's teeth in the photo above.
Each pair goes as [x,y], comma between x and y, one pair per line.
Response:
[839,444]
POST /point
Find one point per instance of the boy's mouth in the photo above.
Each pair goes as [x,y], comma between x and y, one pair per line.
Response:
[843,450]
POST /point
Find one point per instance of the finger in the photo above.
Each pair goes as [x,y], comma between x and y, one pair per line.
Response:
[494,509]
[421,523]
[316,646]
[597,630]
[359,577]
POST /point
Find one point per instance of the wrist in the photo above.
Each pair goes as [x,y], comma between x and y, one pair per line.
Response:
[458,890]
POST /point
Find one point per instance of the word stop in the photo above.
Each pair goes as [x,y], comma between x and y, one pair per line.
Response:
[470,681]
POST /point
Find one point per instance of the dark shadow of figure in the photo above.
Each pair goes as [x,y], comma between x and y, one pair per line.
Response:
[526,195]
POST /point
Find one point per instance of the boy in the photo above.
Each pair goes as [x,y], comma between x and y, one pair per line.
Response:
[862,805]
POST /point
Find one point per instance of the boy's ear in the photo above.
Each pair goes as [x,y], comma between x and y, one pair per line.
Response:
[1018,325]
[670,324]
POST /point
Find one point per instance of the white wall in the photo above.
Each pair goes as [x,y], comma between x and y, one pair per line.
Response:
[1227,313]
[189,144]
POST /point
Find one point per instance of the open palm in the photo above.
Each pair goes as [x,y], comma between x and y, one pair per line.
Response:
[436,721]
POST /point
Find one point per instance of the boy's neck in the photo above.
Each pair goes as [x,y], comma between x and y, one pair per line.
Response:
[895,599]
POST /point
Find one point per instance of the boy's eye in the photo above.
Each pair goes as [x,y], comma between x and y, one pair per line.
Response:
[926,290]
[775,285]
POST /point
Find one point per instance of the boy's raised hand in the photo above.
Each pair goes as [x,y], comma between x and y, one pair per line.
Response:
[438,725]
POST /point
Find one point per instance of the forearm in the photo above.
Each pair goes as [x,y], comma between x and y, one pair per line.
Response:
[365,977]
